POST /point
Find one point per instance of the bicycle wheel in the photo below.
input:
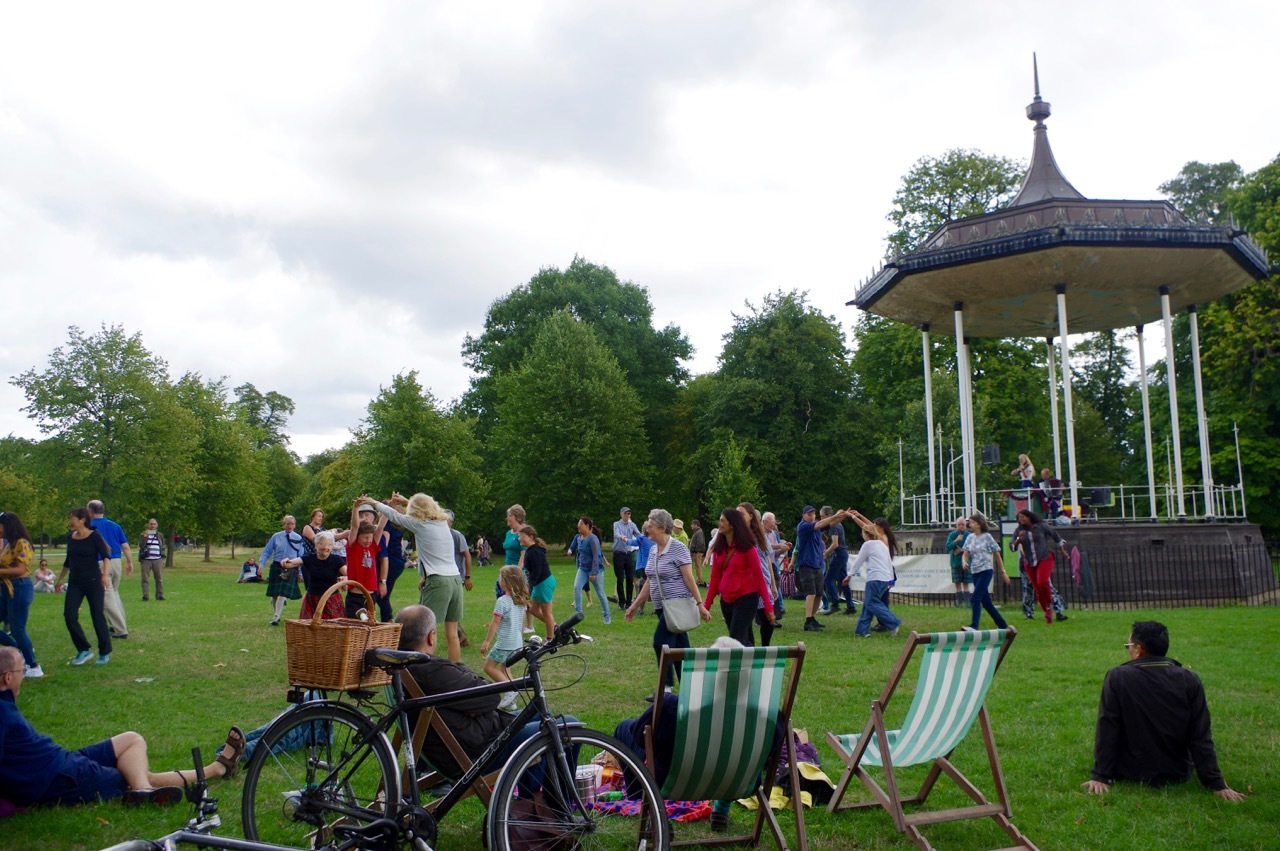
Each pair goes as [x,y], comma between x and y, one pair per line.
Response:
[311,771]
[535,807]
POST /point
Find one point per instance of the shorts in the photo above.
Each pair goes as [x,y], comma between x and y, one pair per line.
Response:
[500,654]
[443,595]
[809,580]
[544,590]
[87,775]
[961,574]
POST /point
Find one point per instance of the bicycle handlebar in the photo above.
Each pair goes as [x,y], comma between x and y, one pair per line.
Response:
[535,648]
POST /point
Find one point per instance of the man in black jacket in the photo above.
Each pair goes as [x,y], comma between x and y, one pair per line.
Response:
[1153,721]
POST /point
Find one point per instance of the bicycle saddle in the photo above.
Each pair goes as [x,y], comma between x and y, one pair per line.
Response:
[385,657]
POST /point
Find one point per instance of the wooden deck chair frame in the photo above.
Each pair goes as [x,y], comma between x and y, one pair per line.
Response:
[891,799]
[429,719]
[761,794]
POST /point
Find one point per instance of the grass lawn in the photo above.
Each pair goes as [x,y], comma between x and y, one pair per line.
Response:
[205,658]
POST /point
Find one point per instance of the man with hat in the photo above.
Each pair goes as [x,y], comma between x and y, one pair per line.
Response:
[679,533]
[624,555]
[811,561]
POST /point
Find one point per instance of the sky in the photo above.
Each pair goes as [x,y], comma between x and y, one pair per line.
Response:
[313,197]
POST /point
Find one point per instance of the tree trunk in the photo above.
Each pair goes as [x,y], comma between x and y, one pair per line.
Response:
[168,556]
[208,550]
[233,547]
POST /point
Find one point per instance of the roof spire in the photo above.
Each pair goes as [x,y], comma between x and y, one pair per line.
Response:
[1044,179]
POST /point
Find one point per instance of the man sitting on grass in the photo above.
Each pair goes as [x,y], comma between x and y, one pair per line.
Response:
[1153,721]
[33,770]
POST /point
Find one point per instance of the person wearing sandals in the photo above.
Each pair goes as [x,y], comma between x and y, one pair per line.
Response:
[36,772]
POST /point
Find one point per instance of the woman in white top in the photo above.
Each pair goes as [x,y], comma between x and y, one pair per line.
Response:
[440,583]
[669,564]
[874,555]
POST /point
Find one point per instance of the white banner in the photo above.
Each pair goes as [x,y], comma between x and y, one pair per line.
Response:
[917,574]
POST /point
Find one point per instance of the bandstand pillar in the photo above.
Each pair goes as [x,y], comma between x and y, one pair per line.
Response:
[1053,410]
[1172,373]
[1061,290]
[1146,423]
[928,418]
[1202,420]
[966,414]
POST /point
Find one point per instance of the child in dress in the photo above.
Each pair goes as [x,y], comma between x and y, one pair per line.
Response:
[508,616]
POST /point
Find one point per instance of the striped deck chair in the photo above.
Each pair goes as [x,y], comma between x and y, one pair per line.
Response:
[732,705]
[951,691]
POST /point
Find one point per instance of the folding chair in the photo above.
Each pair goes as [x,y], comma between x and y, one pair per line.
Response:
[429,719]
[732,707]
[951,691]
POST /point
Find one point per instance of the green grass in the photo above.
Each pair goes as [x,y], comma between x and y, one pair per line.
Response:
[212,660]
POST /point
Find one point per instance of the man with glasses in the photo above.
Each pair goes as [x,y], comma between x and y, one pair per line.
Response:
[1153,721]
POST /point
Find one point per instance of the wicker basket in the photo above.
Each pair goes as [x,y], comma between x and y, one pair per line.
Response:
[329,654]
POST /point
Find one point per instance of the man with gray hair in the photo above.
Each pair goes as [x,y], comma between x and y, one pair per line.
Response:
[112,605]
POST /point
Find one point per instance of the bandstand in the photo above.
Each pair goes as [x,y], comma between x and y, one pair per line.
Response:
[1050,263]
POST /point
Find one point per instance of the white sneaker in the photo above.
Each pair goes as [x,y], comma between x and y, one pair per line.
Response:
[527,630]
[34,672]
[508,702]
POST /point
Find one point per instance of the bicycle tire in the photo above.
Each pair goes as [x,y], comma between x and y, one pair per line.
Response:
[288,798]
[511,826]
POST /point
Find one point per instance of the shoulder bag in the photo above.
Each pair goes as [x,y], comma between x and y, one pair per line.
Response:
[681,614]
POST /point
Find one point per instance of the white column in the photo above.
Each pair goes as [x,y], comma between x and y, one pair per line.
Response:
[928,419]
[1202,419]
[1061,290]
[1173,402]
[966,447]
[1146,422]
[1053,410]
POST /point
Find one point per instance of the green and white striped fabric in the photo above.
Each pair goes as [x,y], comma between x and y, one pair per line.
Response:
[726,721]
[955,674]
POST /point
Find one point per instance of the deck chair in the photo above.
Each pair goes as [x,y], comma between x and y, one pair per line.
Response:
[951,691]
[732,704]
[429,719]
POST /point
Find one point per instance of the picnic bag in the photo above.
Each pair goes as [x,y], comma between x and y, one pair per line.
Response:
[681,614]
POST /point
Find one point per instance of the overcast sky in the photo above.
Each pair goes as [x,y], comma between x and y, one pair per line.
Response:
[234,179]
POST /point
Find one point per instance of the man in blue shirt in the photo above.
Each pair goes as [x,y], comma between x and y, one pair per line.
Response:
[838,553]
[624,565]
[112,605]
[34,770]
[810,560]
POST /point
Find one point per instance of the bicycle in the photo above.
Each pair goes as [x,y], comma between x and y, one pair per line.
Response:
[341,787]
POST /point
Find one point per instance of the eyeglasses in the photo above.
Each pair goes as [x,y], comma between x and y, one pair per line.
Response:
[14,671]
[1130,644]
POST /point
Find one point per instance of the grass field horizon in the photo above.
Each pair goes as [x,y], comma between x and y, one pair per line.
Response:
[205,658]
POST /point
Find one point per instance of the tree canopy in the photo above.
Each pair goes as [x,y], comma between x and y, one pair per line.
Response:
[958,184]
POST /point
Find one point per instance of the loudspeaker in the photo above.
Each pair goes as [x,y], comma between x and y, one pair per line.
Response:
[991,454]
[1100,496]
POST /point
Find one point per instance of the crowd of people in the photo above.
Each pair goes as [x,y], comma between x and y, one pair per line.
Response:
[748,563]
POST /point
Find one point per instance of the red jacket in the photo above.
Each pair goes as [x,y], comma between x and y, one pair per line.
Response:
[737,574]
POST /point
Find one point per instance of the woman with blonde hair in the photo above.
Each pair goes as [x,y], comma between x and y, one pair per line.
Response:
[439,583]
[1025,472]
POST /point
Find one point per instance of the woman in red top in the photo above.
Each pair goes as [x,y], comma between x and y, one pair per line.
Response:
[736,577]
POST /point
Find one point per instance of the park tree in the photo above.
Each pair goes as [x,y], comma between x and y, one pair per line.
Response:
[32,485]
[409,442]
[956,185]
[731,481]
[1200,190]
[620,314]
[120,433]
[567,431]
[265,414]
[1101,367]
[229,489]
[784,389]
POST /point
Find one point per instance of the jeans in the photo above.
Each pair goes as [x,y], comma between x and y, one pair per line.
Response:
[874,605]
[19,608]
[981,599]
[674,640]
[384,603]
[831,583]
[81,587]
[623,573]
[597,582]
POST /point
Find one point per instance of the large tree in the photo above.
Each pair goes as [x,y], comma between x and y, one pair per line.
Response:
[618,311]
[937,190]
[567,431]
[122,436]
[264,413]
[1200,190]
[409,442]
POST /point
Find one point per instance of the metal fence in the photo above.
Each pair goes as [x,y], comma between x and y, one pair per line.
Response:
[1138,577]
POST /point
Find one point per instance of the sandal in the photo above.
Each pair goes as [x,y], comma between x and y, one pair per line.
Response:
[164,796]
[235,741]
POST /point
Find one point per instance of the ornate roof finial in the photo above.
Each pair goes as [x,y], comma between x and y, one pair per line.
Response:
[1044,180]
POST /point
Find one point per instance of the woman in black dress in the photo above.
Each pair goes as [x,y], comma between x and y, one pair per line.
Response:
[87,558]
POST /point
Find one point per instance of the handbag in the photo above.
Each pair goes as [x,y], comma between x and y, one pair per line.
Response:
[681,614]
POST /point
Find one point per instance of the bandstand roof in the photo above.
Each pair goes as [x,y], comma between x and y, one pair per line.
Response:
[1113,257]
